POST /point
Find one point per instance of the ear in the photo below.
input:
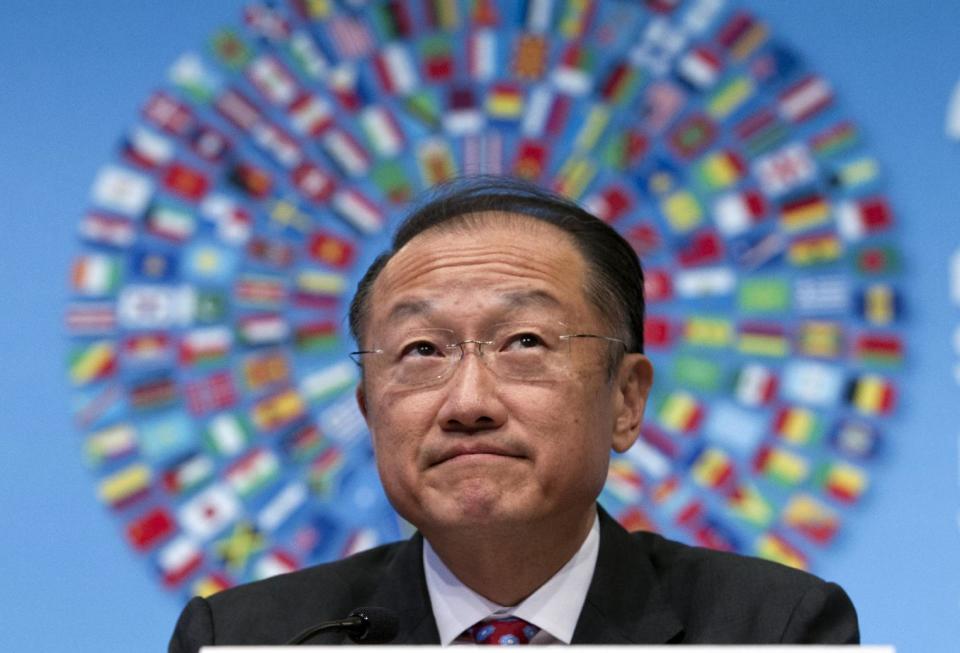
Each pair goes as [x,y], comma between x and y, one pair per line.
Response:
[362,399]
[633,386]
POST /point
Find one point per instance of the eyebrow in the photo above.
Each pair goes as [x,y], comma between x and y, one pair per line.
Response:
[410,308]
[514,299]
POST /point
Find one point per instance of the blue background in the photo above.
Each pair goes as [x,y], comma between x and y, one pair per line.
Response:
[75,74]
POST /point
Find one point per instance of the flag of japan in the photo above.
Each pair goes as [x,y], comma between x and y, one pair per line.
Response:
[209,512]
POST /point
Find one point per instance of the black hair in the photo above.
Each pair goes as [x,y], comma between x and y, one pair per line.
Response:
[615,277]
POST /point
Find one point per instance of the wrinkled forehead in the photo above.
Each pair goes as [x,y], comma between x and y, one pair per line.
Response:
[481,266]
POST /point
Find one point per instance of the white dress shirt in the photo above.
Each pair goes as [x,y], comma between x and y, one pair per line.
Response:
[554,607]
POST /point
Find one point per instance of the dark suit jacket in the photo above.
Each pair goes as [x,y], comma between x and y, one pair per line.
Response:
[645,590]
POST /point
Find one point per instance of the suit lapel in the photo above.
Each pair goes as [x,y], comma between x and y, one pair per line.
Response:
[625,603]
[403,589]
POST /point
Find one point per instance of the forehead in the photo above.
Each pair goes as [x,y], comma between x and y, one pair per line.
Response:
[479,266]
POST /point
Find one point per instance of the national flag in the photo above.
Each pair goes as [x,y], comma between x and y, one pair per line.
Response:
[716,535]
[314,183]
[856,439]
[210,144]
[317,336]
[152,307]
[592,127]
[210,394]
[610,204]
[624,482]
[774,65]
[804,212]
[350,36]
[146,349]
[307,55]
[346,152]
[232,51]
[739,211]
[805,98]
[704,282]
[272,253]
[95,275]
[485,13]
[322,384]
[121,191]
[871,394]
[281,506]
[280,146]
[178,560]
[529,57]
[692,136]
[358,211]
[531,159]
[854,175]
[772,546]
[98,405]
[395,69]
[436,54]
[111,444]
[170,222]
[323,470]
[678,502]
[359,540]
[841,481]
[574,176]
[209,512]
[658,332]
[682,211]
[876,259]
[272,564]
[267,22]
[720,170]
[186,182]
[574,72]
[331,249]
[857,219]
[209,584]
[834,140]
[730,97]
[781,465]
[785,169]
[317,289]
[699,68]
[811,518]
[262,329]
[239,110]
[393,20]
[625,149]
[107,230]
[393,181]
[272,79]
[633,519]
[620,84]
[713,468]
[346,85]
[815,249]
[747,503]
[382,130]
[194,78]
[149,529]
[741,35]
[654,452]
[260,290]
[797,425]
[702,248]
[233,222]
[576,18]
[483,153]
[152,265]
[155,391]
[91,362]
[166,437]
[761,131]
[169,114]
[463,114]
[537,15]
[278,410]
[755,385]
[762,339]
[879,304]
[820,339]
[205,346]
[878,349]
[435,161]
[424,105]
[254,181]
[544,108]
[813,383]
[187,473]
[253,472]
[482,54]
[310,115]
[125,486]
[227,434]
[147,149]
[714,332]
[442,14]
[822,295]
[734,428]
[261,371]
[661,103]
[680,412]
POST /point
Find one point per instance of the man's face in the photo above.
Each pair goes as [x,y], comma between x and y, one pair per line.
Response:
[478,449]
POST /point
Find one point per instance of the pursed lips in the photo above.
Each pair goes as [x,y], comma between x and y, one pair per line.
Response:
[460,451]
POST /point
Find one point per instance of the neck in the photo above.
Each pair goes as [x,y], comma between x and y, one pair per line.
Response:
[507,563]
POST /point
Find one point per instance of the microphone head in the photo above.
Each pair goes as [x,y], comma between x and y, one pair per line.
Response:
[380,625]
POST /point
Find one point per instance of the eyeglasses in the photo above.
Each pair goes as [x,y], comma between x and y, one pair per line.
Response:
[516,351]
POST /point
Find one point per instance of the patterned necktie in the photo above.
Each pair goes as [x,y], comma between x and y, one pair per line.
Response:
[506,631]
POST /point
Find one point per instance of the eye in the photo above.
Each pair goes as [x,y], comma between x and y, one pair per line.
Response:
[420,349]
[525,340]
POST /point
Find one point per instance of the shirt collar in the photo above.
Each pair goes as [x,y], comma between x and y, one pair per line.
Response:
[554,607]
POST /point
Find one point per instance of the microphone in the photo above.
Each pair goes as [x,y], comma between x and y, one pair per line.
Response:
[371,625]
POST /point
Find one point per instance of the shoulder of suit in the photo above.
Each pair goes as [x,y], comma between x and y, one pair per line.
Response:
[679,564]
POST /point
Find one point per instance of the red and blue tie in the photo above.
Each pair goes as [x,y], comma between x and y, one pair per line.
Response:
[501,632]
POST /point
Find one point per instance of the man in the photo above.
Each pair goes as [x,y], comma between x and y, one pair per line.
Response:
[501,344]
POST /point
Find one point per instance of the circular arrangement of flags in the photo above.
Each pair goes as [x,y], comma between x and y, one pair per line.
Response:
[221,246]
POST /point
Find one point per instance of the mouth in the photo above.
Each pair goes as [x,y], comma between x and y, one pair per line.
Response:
[474,452]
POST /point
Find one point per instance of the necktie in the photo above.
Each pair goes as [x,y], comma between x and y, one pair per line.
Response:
[505,631]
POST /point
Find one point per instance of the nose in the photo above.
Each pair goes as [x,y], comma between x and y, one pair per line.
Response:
[471,403]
